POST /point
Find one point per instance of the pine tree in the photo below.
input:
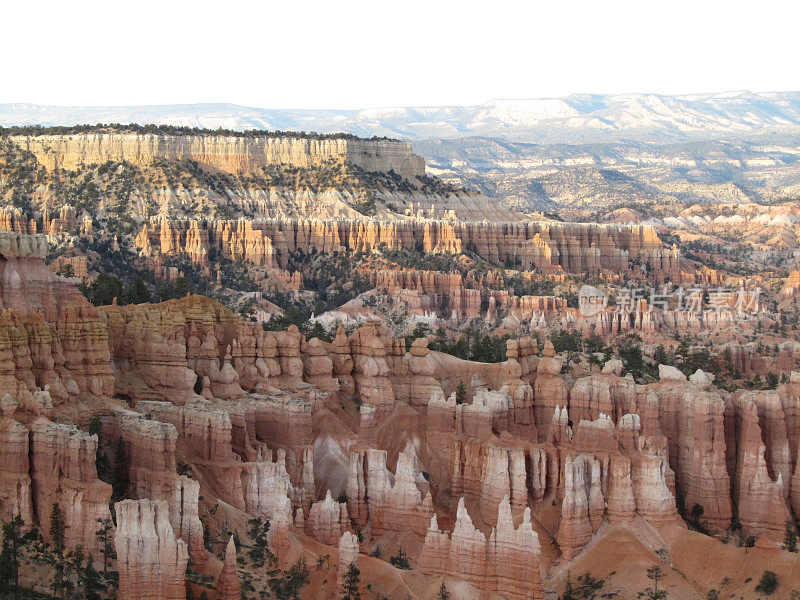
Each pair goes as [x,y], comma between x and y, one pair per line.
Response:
[258,532]
[103,536]
[74,566]
[569,594]
[101,463]
[461,393]
[96,428]
[58,529]
[790,538]
[351,584]
[120,478]
[89,581]
[654,574]
[137,293]
[14,543]
[443,593]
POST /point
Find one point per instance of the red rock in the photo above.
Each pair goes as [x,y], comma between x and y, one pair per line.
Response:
[516,556]
[506,563]
[549,391]
[62,466]
[327,520]
[373,499]
[582,506]
[15,481]
[654,500]
[228,585]
[621,500]
[150,560]
[371,370]
[348,555]
[151,454]
[268,489]
[759,498]
[693,420]
[422,383]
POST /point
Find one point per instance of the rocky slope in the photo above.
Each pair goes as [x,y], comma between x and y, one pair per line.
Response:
[572,176]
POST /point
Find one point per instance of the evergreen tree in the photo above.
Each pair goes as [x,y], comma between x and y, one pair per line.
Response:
[60,584]
[89,581]
[400,560]
[697,517]
[101,462]
[352,581]
[443,593]
[790,538]
[654,574]
[182,287]
[287,585]
[14,543]
[74,566]
[461,393]
[569,341]
[258,533]
[772,381]
[569,594]
[103,537]
[768,583]
[103,290]
[96,428]
[137,293]
[120,476]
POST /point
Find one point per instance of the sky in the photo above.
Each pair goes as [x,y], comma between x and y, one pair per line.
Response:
[353,54]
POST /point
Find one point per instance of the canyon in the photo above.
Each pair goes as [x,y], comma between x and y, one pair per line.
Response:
[364,449]
[234,363]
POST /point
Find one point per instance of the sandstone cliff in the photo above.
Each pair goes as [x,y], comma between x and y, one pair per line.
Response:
[151,561]
[226,153]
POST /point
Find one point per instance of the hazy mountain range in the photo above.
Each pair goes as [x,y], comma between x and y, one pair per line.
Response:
[573,119]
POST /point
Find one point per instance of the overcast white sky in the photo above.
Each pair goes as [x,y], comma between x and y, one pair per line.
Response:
[353,54]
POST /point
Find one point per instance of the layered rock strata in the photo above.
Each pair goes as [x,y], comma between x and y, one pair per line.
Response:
[151,561]
[507,562]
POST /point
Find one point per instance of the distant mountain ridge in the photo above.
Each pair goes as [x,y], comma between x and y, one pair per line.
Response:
[579,118]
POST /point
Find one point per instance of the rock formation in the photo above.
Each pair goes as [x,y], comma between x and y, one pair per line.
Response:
[15,480]
[327,520]
[759,498]
[373,499]
[62,466]
[348,555]
[233,154]
[228,585]
[151,561]
[567,247]
[507,562]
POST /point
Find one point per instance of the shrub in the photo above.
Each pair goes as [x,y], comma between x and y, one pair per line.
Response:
[400,560]
[768,583]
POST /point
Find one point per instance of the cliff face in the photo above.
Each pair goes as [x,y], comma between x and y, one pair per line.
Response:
[230,154]
[507,562]
[26,284]
[151,561]
[63,472]
[568,247]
